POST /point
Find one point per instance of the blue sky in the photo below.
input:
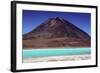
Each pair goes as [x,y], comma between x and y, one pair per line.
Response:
[31,19]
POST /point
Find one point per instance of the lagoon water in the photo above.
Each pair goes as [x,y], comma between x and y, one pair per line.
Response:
[28,53]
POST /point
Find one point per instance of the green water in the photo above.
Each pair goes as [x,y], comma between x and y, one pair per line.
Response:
[55,52]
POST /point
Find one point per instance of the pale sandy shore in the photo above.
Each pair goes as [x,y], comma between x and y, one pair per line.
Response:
[56,58]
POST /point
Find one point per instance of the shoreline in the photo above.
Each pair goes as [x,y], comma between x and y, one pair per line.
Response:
[57,58]
[55,48]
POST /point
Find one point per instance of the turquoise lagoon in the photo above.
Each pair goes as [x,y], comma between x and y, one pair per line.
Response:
[27,53]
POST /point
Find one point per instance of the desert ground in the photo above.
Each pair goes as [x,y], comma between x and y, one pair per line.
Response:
[55,42]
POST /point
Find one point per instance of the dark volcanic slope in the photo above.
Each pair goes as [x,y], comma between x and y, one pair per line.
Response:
[56,28]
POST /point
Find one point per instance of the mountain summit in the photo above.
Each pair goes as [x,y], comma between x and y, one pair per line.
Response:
[58,29]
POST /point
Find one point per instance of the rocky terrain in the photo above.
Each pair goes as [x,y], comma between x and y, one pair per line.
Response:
[56,32]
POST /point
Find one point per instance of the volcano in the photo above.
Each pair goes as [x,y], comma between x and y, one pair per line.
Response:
[56,32]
